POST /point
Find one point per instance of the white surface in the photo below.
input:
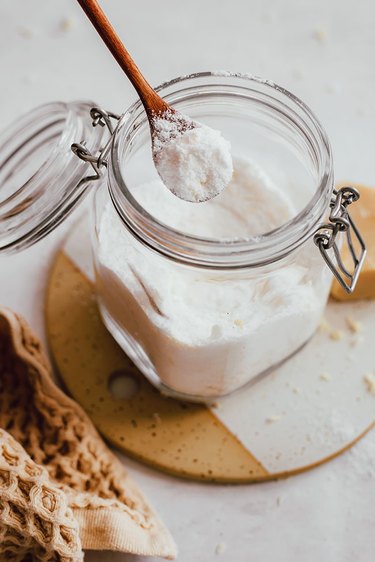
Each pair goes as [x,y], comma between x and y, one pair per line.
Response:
[327,514]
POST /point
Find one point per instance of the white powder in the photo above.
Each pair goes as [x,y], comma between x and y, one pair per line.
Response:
[208,333]
[251,205]
[361,458]
[369,380]
[223,73]
[220,548]
[66,24]
[193,160]
[274,418]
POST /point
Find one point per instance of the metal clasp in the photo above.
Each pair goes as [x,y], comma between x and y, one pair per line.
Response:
[326,239]
[98,161]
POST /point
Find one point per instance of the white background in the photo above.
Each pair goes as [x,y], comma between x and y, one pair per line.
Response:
[323,51]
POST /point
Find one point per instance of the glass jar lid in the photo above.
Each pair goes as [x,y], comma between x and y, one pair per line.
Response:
[41,179]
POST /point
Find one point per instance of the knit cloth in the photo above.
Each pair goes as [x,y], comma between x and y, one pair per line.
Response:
[35,519]
[57,435]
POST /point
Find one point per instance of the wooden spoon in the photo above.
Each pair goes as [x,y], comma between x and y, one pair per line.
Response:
[152,102]
[164,120]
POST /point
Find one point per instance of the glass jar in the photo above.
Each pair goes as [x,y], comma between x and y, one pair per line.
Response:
[200,316]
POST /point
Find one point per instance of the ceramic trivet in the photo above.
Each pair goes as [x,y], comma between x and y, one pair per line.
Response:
[309,410]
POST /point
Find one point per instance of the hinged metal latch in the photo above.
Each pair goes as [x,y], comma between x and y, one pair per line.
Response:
[326,239]
[97,161]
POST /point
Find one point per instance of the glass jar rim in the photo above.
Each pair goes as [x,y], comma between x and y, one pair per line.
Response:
[233,253]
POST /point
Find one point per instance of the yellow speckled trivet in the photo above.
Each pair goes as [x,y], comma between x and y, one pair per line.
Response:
[183,439]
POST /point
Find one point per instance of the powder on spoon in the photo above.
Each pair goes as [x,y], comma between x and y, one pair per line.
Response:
[193,160]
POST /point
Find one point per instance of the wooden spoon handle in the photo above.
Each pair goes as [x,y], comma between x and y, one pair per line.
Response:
[150,99]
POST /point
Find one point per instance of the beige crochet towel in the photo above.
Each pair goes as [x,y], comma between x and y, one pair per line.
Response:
[35,519]
[56,433]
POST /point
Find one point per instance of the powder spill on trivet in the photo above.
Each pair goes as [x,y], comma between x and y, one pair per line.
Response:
[358,462]
[361,458]
[193,160]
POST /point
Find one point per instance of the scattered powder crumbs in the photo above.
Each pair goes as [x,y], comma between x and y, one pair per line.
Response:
[278,501]
[354,325]
[325,326]
[337,427]
[238,322]
[336,335]
[273,419]
[296,390]
[357,340]
[364,213]
[361,459]
[25,32]
[325,377]
[66,24]
[320,34]
[220,548]
[156,417]
[369,380]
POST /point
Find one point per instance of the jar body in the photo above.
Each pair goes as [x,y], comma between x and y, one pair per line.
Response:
[200,333]
[202,330]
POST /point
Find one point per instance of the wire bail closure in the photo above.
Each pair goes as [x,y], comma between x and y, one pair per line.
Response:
[104,119]
[325,236]
[326,239]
